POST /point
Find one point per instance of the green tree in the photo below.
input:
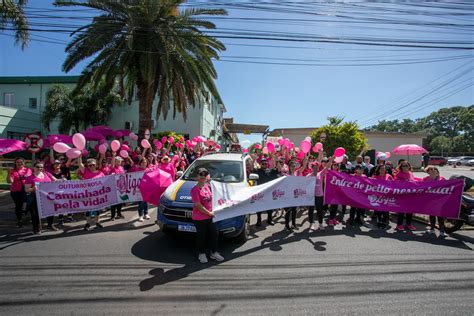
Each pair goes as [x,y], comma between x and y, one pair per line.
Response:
[78,109]
[152,46]
[11,13]
[341,134]
[441,144]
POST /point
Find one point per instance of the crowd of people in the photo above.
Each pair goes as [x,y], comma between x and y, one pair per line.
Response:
[53,167]
[267,165]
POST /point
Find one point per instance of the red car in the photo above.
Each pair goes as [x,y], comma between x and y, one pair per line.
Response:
[438,161]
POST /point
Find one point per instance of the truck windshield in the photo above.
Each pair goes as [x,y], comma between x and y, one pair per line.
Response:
[222,171]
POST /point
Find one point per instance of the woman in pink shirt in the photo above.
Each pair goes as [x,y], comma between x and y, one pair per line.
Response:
[433,175]
[319,193]
[116,168]
[206,230]
[294,170]
[90,171]
[404,174]
[167,166]
[16,177]
[39,175]
[382,217]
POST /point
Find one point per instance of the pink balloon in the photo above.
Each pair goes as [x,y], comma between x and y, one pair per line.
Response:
[305,146]
[339,152]
[245,150]
[102,148]
[171,139]
[319,146]
[308,139]
[79,141]
[271,147]
[265,150]
[73,153]
[61,147]
[163,140]
[123,154]
[133,136]
[301,155]
[125,147]
[291,146]
[258,146]
[145,143]
[388,154]
[115,145]
[339,159]
[158,144]
[281,142]
[85,153]
[315,149]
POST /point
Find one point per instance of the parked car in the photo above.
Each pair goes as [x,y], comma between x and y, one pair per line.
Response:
[459,161]
[175,209]
[470,162]
[438,161]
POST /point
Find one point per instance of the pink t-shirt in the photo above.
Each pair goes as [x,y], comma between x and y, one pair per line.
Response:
[387,177]
[18,178]
[33,179]
[92,175]
[117,170]
[204,196]
[429,179]
[320,179]
[105,170]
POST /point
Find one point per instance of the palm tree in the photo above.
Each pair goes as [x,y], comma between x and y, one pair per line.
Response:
[79,109]
[11,12]
[150,45]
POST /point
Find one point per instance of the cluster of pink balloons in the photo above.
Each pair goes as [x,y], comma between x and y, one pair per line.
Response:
[79,141]
[339,154]
[383,155]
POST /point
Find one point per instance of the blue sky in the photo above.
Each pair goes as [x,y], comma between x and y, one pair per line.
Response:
[302,96]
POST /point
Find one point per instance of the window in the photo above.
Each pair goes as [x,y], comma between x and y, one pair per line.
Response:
[8,99]
[33,103]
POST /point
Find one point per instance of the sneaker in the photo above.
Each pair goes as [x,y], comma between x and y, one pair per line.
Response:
[443,235]
[216,256]
[147,216]
[270,223]
[202,258]
[288,229]
[313,227]
[411,227]
[99,225]
[330,222]
[430,231]
[37,232]
[321,227]
[52,228]
[120,216]
[87,226]
[400,228]
[112,219]
[140,219]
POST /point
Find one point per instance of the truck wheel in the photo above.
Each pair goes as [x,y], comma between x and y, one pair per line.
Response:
[244,235]
[452,225]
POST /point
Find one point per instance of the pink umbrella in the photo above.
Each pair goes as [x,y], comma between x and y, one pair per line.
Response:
[91,135]
[210,143]
[11,145]
[102,129]
[409,150]
[153,185]
[54,138]
[121,133]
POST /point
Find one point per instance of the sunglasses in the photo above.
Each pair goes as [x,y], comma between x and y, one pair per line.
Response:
[91,165]
[405,165]
[39,167]
[203,174]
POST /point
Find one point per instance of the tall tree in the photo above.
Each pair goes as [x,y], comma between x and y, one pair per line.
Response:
[11,12]
[341,134]
[78,109]
[151,45]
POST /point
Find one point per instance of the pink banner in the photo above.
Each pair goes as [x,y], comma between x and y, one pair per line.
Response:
[64,197]
[440,198]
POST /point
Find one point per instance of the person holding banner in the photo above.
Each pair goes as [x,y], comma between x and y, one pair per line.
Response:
[206,231]
[433,175]
[116,168]
[356,215]
[319,194]
[143,165]
[291,211]
[90,172]
[265,175]
[39,175]
[403,173]
[16,177]
[382,218]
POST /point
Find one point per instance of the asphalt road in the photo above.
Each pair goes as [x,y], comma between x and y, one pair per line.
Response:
[130,268]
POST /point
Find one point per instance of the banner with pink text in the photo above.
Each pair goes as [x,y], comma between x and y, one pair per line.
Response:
[65,197]
[439,198]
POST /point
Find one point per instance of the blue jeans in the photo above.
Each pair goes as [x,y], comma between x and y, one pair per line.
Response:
[142,208]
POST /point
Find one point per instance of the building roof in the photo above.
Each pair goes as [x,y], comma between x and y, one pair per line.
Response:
[246,128]
[39,79]
[309,130]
